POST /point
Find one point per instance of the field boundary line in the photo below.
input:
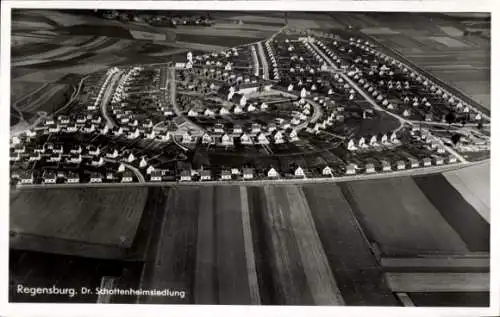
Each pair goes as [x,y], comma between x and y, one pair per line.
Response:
[249,248]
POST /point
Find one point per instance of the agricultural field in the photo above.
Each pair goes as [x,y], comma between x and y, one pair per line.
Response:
[108,216]
[400,219]
[473,183]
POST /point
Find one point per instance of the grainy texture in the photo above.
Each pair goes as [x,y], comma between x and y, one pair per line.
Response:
[107,216]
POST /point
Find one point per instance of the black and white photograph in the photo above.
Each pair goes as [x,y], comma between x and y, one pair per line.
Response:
[249,157]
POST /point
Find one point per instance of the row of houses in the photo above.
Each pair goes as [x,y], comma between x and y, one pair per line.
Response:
[223,111]
[375,141]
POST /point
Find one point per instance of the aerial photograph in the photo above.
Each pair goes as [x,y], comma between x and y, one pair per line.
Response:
[250,157]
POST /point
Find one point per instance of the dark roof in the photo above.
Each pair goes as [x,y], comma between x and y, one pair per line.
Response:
[248,171]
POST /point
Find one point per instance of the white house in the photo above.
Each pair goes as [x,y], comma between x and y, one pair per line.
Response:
[327,171]
[351,146]
[386,166]
[143,163]
[227,140]
[370,168]
[350,169]
[246,139]
[262,139]
[362,143]
[299,172]
[192,113]
[278,137]
[207,139]
[400,165]
[394,138]
[223,111]
[293,136]
[373,141]
[187,138]
[272,173]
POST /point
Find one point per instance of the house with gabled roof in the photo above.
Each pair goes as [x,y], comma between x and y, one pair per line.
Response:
[299,172]
[272,173]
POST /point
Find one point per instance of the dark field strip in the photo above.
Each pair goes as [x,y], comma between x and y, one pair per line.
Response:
[228,41]
[466,221]
[176,255]
[356,271]
[262,250]
[451,299]
[32,48]
[231,262]
[205,289]
[90,29]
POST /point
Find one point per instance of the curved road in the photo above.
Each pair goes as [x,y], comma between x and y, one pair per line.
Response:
[137,173]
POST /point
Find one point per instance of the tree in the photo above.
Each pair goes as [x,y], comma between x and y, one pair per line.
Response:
[450,117]
[455,138]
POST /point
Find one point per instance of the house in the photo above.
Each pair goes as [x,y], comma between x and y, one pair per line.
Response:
[205,175]
[133,134]
[361,143]
[237,109]
[439,161]
[293,136]
[373,141]
[113,154]
[262,139]
[327,171]
[223,111]
[219,128]
[251,108]
[413,163]
[55,158]
[97,161]
[400,165]
[185,175]
[207,139]
[384,139]
[350,169]
[237,129]
[94,150]
[264,106]
[75,159]
[35,157]
[351,146]
[272,173]
[187,138]
[151,135]
[225,175]
[227,140]
[370,168]
[239,99]
[26,177]
[130,158]
[127,177]
[452,159]
[156,176]
[95,177]
[386,166]
[49,177]
[192,113]
[248,173]
[76,150]
[257,128]
[278,137]
[394,138]
[143,163]
[246,139]
[427,161]
[209,112]
[20,149]
[110,176]
[235,171]
[72,178]
[299,172]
